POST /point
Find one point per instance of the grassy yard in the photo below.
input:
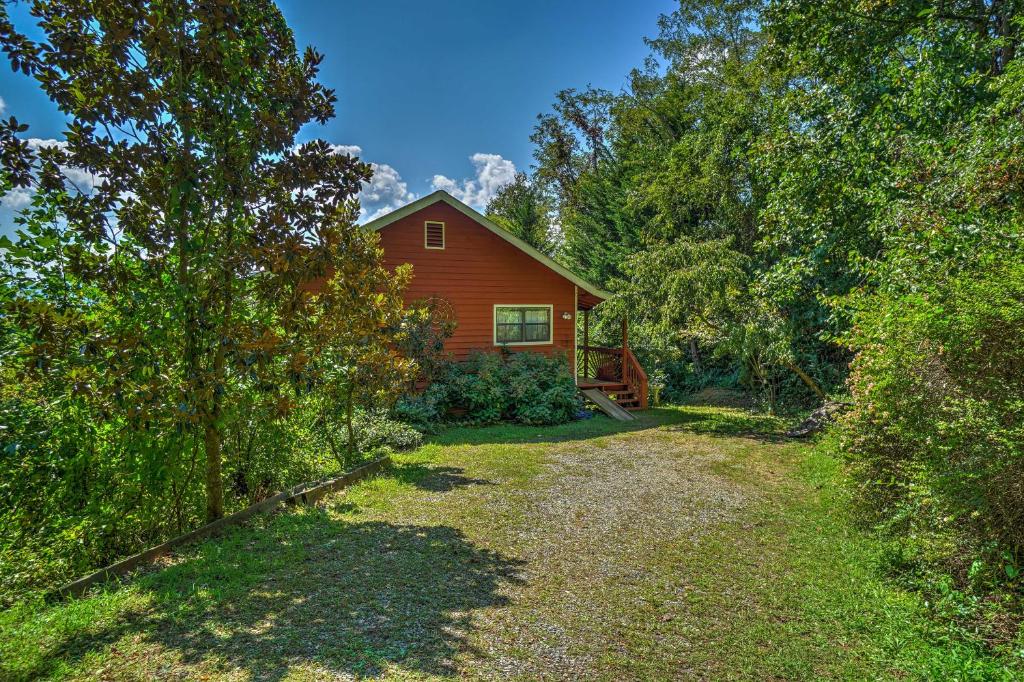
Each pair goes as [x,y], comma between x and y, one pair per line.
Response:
[693,544]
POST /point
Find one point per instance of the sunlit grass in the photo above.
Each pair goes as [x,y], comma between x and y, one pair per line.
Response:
[424,573]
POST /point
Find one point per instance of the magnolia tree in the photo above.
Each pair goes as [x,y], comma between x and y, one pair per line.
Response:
[162,269]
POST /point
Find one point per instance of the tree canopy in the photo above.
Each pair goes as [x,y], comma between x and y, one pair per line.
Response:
[522,208]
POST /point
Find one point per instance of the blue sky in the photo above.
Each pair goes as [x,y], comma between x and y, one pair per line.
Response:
[435,94]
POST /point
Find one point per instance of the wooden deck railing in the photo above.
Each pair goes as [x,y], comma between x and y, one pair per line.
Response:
[634,376]
[598,362]
[615,365]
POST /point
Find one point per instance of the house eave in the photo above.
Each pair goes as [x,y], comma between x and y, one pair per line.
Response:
[469,212]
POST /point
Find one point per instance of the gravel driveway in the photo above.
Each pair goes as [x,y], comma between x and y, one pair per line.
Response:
[694,543]
[598,530]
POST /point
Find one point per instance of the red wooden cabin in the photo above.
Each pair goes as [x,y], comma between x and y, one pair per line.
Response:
[504,293]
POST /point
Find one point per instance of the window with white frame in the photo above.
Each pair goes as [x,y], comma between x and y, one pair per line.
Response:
[522,324]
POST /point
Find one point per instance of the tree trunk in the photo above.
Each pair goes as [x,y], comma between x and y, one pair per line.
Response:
[806,379]
[213,440]
[762,377]
[766,384]
[695,357]
[214,485]
[348,423]
[212,437]
[1006,31]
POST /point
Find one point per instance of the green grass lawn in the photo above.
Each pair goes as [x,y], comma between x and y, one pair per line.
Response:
[695,543]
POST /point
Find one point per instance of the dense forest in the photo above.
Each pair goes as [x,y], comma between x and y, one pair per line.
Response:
[805,200]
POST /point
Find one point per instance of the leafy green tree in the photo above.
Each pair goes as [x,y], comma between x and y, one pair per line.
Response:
[701,290]
[522,208]
[897,203]
[360,329]
[178,282]
[686,288]
[688,135]
[576,166]
[672,155]
[675,157]
[890,98]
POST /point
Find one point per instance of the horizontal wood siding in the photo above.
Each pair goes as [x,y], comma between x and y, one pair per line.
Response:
[476,270]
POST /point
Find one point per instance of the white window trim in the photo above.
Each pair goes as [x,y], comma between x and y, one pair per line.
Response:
[551,324]
[444,235]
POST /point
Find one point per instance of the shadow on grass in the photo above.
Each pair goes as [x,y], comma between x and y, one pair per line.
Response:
[337,597]
[705,420]
[513,434]
[729,422]
[438,479]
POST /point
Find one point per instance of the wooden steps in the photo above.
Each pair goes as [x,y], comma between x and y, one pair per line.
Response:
[607,405]
[616,373]
[628,399]
[626,396]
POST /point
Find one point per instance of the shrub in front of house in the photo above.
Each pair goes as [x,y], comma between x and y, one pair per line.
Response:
[540,389]
[423,410]
[479,387]
[529,388]
[376,431]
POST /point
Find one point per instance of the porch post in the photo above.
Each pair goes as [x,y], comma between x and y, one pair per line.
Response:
[625,346]
[586,343]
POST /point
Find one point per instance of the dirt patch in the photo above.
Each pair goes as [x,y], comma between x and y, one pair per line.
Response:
[719,397]
[630,490]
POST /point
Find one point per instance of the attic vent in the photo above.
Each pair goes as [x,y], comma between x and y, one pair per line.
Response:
[433,235]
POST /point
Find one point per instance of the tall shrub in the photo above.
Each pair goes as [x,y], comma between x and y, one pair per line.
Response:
[529,388]
[937,433]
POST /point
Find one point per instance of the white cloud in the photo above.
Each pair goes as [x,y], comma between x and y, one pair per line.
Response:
[492,172]
[386,186]
[3,105]
[385,191]
[37,143]
[17,198]
[82,179]
[350,149]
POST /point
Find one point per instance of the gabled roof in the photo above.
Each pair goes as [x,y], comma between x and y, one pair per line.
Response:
[441,195]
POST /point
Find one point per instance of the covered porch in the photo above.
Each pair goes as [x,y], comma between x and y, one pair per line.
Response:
[613,371]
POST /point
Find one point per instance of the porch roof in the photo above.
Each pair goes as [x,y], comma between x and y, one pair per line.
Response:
[586,300]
